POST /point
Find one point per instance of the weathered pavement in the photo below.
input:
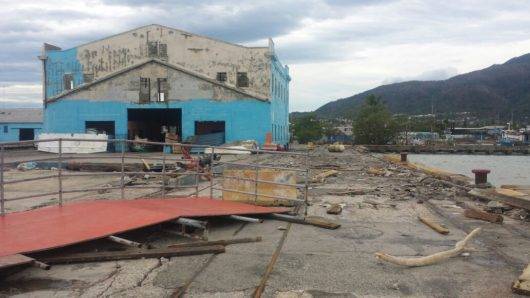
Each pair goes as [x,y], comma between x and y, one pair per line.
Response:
[318,262]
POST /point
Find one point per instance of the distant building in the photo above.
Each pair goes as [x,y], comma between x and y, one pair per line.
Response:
[155,79]
[20,124]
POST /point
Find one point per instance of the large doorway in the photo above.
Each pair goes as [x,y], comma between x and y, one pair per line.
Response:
[210,132]
[26,134]
[152,124]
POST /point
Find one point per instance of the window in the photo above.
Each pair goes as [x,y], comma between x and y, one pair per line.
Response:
[88,77]
[5,128]
[162,89]
[145,90]
[162,50]
[242,79]
[68,81]
[152,49]
[221,76]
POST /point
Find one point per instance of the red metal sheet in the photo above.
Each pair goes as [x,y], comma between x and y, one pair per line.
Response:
[55,226]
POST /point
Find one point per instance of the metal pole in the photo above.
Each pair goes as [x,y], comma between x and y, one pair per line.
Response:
[2,199]
[211,172]
[122,177]
[163,175]
[256,179]
[197,177]
[306,184]
[60,171]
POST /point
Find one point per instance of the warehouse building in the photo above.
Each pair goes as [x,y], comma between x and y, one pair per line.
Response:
[20,124]
[143,82]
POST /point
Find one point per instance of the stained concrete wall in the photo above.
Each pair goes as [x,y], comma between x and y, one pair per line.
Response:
[182,86]
[200,54]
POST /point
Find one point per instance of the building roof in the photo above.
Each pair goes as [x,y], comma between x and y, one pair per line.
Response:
[21,115]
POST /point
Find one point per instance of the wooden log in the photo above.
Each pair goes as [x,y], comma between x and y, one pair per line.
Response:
[322,176]
[474,212]
[40,265]
[308,220]
[433,225]
[216,242]
[133,254]
[522,284]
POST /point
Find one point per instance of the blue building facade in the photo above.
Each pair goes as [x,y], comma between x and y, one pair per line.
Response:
[20,124]
[133,85]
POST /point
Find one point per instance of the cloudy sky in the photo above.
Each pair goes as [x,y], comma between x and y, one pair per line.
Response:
[334,48]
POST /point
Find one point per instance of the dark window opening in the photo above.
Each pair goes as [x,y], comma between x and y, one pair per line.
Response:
[162,50]
[102,127]
[221,76]
[26,134]
[210,132]
[68,81]
[162,89]
[242,79]
[5,128]
[152,49]
[88,77]
[145,90]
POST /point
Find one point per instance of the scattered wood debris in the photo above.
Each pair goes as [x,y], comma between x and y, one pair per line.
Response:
[474,212]
[308,220]
[322,176]
[522,284]
[216,242]
[376,171]
[433,225]
[334,209]
[460,247]
[133,254]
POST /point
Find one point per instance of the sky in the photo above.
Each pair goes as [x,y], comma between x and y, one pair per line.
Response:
[334,48]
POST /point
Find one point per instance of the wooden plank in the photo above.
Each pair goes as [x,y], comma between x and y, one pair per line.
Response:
[308,220]
[14,260]
[433,225]
[474,212]
[216,242]
[506,196]
[133,254]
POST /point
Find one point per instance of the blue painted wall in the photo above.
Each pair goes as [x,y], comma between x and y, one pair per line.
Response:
[58,64]
[279,102]
[13,130]
[246,119]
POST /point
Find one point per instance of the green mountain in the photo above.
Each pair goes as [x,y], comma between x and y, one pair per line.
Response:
[492,94]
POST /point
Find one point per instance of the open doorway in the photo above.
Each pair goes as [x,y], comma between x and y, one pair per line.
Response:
[26,134]
[152,124]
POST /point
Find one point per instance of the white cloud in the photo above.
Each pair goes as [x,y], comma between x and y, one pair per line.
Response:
[335,48]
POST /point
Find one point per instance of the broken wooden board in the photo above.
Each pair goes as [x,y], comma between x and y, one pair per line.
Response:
[525,189]
[14,260]
[506,196]
[322,176]
[216,242]
[104,256]
[522,284]
[433,225]
[317,221]
[240,186]
[476,213]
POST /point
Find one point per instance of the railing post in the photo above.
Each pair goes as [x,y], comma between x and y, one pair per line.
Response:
[196,176]
[60,171]
[256,168]
[122,177]
[306,184]
[163,174]
[211,171]
[2,198]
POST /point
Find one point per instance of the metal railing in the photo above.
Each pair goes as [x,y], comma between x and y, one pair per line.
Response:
[192,167]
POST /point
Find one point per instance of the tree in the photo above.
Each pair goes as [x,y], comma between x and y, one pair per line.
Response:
[374,124]
[307,129]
